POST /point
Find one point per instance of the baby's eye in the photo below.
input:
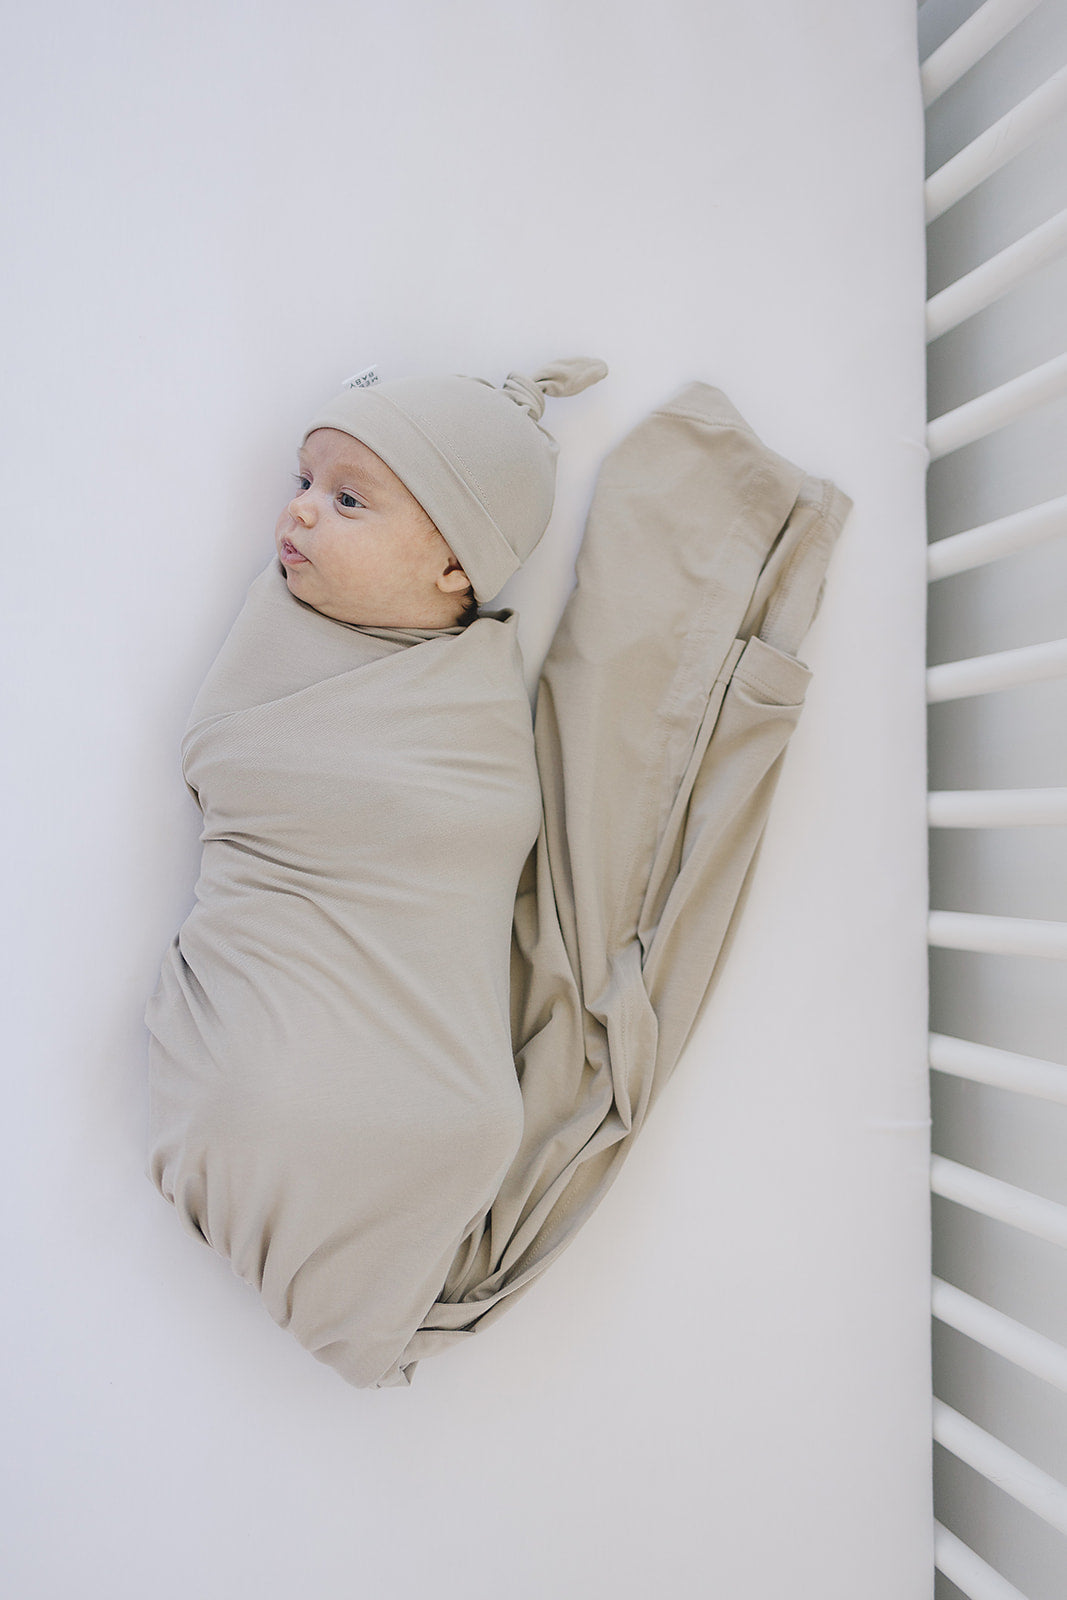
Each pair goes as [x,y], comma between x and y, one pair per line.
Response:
[349,501]
[303,483]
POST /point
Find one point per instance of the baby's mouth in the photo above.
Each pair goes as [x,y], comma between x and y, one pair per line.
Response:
[290,555]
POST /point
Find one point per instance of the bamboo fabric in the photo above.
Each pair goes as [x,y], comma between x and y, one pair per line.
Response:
[336,1105]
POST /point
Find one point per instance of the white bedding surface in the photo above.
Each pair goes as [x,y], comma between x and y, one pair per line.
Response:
[722,1388]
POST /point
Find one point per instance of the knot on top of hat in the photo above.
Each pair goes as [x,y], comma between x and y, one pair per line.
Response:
[570,375]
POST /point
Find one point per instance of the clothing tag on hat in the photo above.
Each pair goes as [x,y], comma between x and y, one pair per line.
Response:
[362,380]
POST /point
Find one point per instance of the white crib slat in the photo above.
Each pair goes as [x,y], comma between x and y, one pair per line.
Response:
[987,412]
[997,146]
[1006,669]
[1001,1069]
[1024,1348]
[971,1575]
[998,936]
[970,42]
[995,277]
[960,552]
[996,808]
[991,1197]
[1027,1484]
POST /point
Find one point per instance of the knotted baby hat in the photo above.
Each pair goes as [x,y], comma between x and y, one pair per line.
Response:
[474,456]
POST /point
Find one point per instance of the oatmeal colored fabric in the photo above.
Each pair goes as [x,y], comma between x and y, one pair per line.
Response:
[337,1105]
[332,1090]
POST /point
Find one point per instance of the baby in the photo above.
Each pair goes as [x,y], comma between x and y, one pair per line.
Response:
[333,1093]
[442,963]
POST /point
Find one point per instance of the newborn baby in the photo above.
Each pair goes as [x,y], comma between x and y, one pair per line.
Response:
[440,965]
[333,1091]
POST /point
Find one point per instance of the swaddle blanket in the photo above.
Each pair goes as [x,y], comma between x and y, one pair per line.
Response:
[333,1092]
[338,1102]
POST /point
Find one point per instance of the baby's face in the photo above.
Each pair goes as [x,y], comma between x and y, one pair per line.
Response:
[356,544]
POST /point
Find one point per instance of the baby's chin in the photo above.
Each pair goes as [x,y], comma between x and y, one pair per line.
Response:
[327,605]
[356,612]
[299,588]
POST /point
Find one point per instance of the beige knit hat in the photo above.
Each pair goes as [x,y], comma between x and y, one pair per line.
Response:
[475,457]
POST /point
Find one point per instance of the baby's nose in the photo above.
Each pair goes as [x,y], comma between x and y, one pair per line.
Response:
[301,509]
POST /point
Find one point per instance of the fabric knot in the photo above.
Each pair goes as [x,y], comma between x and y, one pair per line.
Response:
[569,375]
[525,393]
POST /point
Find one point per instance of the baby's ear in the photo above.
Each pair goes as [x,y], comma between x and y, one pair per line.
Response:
[453,580]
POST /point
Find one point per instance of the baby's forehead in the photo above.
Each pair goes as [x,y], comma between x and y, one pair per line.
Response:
[329,447]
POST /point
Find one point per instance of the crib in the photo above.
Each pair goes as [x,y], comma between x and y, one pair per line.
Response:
[724,1388]
[997,386]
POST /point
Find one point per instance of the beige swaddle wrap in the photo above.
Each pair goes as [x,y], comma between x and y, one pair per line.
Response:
[336,1105]
[332,1088]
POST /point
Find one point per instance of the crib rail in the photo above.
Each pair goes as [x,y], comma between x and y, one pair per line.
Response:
[968,1571]
[1010,1471]
[962,552]
[997,146]
[997,936]
[970,427]
[970,42]
[996,277]
[996,808]
[1031,1351]
[1001,1069]
[1031,663]
[995,409]
[1043,1219]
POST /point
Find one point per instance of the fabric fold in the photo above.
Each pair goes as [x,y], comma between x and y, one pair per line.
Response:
[664,709]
